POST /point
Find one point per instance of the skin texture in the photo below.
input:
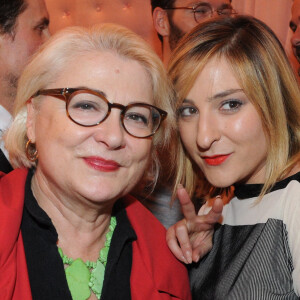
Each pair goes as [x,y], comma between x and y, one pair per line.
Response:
[213,123]
[172,25]
[30,32]
[77,196]
[295,26]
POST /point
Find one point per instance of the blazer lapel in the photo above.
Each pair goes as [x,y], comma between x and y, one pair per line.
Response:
[4,163]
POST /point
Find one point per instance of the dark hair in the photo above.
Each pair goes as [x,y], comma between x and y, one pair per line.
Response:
[161,3]
[9,13]
[164,3]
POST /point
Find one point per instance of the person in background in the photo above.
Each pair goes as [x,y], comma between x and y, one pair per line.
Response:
[295,26]
[174,18]
[92,108]
[23,28]
[238,115]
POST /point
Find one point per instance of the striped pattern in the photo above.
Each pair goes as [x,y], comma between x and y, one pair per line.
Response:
[251,258]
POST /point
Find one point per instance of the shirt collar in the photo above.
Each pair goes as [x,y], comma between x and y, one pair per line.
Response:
[5,121]
[245,191]
[5,118]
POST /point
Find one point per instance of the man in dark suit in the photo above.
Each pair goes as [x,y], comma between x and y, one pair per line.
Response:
[4,163]
[23,28]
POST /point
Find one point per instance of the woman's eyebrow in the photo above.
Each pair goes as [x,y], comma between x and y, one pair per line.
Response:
[185,100]
[216,96]
[95,90]
[224,94]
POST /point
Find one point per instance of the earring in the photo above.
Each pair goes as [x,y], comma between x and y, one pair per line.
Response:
[31,152]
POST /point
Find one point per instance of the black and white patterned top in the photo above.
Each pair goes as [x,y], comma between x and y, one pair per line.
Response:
[256,251]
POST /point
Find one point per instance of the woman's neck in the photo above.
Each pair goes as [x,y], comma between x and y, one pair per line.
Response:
[294,170]
[81,225]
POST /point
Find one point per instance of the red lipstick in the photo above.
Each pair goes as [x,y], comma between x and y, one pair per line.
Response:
[101,164]
[215,160]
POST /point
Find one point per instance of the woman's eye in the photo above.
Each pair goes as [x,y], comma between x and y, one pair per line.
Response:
[231,105]
[87,106]
[137,118]
[187,111]
[84,106]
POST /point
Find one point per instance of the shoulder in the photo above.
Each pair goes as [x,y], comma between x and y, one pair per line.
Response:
[137,212]
[12,186]
[151,255]
[150,233]
[10,182]
[12,258]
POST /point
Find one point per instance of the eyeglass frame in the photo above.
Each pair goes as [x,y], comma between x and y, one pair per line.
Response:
[193,8]
[65,94]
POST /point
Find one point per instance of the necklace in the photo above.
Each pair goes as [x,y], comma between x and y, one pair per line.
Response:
[84,277]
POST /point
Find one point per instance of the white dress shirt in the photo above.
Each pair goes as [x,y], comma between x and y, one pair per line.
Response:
[5,121]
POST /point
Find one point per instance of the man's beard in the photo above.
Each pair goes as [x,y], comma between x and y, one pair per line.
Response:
[175,34]
[12,83]
[9,90]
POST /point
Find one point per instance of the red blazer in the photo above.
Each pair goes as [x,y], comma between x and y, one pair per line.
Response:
[155,274]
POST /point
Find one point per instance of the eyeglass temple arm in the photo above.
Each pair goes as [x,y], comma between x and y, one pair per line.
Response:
[179,7]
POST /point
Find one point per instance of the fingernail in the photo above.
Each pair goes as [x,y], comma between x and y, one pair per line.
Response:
[179,186]
[184,259]
[188,256]
[197,257]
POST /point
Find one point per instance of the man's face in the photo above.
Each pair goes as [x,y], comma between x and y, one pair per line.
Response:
[295,26]
[30,31]
[182,20]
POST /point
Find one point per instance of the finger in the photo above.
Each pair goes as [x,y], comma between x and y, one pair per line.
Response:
[201,226]
[182,235]
[214,215]
[173,245]
[217,207]
[187,206]
[202,249]
[205,224]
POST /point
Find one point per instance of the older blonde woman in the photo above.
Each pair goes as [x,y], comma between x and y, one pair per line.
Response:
[238,111]
[90,111]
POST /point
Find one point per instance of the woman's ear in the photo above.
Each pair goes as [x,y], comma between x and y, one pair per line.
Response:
[161,21]
[31,119]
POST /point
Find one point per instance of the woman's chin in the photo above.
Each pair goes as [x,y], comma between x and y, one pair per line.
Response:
[220,182]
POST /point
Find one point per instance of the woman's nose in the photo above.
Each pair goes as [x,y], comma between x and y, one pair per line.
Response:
[111,132]
[208,131]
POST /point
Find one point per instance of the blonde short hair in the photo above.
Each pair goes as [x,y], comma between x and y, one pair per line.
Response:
[55,55]
[264,73]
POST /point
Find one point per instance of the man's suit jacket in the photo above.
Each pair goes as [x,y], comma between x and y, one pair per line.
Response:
[4,163]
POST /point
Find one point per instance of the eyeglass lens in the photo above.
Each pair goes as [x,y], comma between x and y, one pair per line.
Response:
[89,109]
[204,11]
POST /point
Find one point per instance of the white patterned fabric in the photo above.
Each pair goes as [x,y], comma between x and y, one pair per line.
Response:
[5,121]
[256,250]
